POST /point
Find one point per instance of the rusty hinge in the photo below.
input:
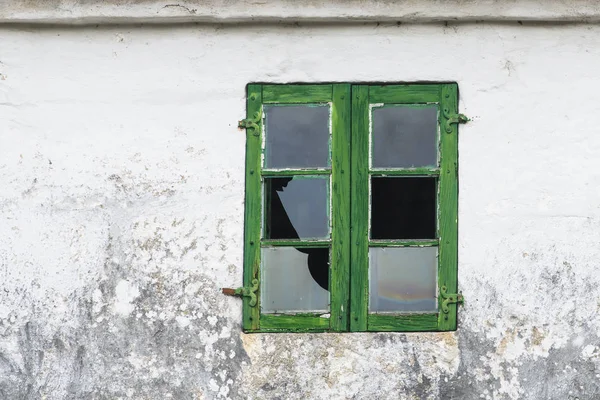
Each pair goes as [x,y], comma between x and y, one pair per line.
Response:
[251,123]
[450,299]
[244,292]
[454,119]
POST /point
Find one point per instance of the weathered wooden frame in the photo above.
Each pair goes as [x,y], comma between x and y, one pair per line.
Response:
[350,173]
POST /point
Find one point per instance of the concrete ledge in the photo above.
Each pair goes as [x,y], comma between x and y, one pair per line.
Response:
[87,12]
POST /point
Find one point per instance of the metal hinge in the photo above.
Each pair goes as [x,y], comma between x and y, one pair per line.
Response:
[454,119]
[251,123]
[244,292]
[450,299]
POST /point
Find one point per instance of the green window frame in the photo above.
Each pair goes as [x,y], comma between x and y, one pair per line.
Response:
[349,187]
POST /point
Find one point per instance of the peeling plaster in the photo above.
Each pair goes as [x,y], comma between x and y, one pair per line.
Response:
[122,214]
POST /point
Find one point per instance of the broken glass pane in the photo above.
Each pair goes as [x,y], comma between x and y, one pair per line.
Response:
[403,279]
[297,136]
[404,136]
[294,280]
[403,208]
[297,208]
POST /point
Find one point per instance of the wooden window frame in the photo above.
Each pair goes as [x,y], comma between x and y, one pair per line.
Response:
[349,187]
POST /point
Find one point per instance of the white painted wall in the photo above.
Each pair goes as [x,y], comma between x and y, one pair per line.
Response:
[121,176]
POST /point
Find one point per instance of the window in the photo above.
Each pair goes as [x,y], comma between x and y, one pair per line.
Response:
[351,208]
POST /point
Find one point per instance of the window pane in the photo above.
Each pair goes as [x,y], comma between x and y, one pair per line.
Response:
[404,136]
[403,279]
[297,208]
[403,208]
[297,136]
[294,280]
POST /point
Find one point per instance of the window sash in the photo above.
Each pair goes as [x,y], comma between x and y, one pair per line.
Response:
[363,96]
[338,95]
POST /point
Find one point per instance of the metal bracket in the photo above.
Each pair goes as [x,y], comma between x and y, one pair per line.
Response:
[450,299]
[244,292]
[251,123]
[453,119]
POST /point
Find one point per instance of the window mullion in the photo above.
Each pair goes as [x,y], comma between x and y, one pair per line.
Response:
[340,192]
[359,209]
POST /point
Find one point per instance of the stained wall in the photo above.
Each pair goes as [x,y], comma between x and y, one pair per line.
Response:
[121,201]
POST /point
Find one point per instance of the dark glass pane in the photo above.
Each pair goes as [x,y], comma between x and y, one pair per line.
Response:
[297,136]
[403,279]
[294,280]
[297,208]
[403,208]
[404,137]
